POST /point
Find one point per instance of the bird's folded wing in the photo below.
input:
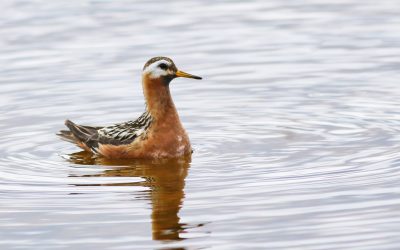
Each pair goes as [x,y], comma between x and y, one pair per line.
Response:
[124,133]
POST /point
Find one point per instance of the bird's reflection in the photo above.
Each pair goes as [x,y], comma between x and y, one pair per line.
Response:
[165,179]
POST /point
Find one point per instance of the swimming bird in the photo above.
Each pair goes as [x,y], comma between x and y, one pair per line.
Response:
[157,133]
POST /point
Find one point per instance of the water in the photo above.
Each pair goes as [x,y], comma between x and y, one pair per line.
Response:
[295,125]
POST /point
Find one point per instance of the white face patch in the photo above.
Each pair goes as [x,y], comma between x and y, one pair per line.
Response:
[154,71]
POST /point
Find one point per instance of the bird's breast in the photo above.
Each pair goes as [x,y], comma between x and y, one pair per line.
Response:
[168,141]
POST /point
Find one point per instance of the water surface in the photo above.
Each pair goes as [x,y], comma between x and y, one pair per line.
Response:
[295,125]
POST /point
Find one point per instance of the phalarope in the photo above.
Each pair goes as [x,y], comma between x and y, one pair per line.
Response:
[157,133]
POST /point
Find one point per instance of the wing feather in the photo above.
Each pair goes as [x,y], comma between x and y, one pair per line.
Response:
[125,133]
[118,134]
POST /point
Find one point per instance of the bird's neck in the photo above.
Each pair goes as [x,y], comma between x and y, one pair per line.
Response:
[158,100]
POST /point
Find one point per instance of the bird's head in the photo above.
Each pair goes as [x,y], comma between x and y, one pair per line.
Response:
[164,69]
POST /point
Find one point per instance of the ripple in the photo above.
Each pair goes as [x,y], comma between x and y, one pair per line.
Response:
[294,127]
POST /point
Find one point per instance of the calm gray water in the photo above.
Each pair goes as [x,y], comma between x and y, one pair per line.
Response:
[295,125]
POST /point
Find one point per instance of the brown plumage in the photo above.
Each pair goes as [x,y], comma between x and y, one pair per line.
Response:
[157,133]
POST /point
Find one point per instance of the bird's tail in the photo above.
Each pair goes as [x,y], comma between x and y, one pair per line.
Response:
[78,134]
[67,135]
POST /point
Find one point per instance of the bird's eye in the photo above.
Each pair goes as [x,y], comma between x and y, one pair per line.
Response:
[163,66]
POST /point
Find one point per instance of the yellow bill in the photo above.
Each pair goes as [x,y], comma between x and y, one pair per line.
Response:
[187,75]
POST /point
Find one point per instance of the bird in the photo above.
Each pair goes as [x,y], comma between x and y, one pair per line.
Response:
[157,133]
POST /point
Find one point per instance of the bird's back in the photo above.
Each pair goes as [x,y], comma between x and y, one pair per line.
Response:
[91,138]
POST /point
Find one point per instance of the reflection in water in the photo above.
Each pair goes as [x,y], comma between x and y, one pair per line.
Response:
[166,180]
[296,124]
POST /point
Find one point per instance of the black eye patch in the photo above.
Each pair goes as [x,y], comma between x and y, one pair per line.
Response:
[163,66]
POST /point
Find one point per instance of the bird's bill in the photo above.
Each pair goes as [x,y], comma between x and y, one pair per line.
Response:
[187,75]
